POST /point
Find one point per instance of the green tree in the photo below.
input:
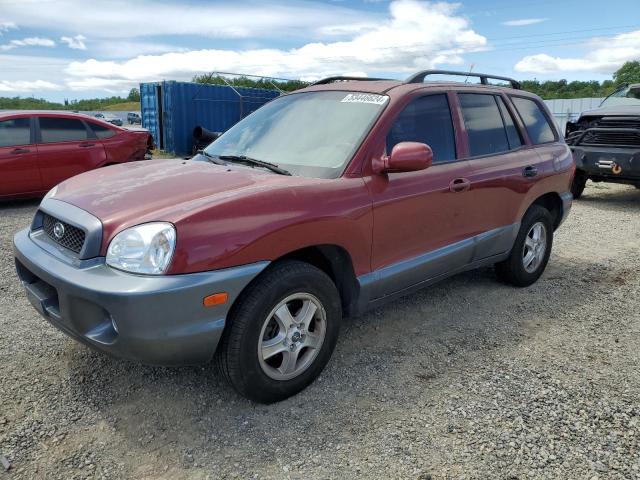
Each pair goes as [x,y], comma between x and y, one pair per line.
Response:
[134,95]
[627,73]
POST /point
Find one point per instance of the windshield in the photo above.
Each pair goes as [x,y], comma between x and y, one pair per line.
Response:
[625,96]
[313,134]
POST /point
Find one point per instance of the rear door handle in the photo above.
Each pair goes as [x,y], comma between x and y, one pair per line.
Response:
[20,150]
[87,144]
[529,171]
[459,185]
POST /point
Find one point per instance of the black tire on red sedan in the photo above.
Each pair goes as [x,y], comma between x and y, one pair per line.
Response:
[531,250]
[281,332]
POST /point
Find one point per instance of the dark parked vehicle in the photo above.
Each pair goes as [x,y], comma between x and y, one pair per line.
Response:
[134,118]
[40,149]
[606,141]
[112,119]
[323,203]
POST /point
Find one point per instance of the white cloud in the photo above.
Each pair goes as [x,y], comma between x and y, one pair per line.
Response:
[605,55]
[27,86]
[28,42]
[77,42]
[126,19]
[523,22]
[6,26]
[417,35]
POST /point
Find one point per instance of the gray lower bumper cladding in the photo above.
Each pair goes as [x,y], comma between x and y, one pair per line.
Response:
[158,320]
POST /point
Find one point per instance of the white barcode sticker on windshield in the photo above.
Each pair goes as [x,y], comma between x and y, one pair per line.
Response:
[365,98]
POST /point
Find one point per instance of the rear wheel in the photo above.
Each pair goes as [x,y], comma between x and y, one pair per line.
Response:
[578,184]
[281,333]
[531,250]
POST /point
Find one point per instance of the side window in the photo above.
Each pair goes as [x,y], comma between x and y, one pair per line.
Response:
[101,131]
[16,131]
[513,135]
[537,124]
[54,129]
[426,120]
[483,121]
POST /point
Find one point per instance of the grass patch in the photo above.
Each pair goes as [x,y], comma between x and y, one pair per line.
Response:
[128,106]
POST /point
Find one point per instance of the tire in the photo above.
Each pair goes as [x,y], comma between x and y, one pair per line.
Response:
[578,184]
[246,357]
[514,270]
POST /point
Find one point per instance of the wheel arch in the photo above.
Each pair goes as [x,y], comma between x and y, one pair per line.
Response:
[553,203]
[333,260]
[336,262]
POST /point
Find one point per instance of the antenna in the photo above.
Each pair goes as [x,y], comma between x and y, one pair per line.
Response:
[470,70]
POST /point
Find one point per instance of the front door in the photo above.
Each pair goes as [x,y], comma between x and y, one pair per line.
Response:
[418,229]
[18,158]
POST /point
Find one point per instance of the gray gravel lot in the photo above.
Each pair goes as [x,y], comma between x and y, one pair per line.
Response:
[467,379]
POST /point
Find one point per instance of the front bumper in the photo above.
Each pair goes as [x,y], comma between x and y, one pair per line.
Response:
[159,320]
[608,163]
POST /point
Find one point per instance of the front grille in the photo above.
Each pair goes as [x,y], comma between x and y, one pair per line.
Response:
[72,238]
[617,138]
[618,122]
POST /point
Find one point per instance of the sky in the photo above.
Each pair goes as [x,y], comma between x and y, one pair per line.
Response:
[70,49]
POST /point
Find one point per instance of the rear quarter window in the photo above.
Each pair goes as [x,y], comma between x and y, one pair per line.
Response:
[102,131]
[534,119]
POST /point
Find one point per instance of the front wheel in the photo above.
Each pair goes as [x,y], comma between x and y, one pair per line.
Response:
[531,250]
[281,333]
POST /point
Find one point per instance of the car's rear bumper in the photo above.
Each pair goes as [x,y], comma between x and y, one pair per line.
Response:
[608,163]
[157,320]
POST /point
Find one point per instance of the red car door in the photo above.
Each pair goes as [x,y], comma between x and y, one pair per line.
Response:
[66,147]
[418,229]
[19,174]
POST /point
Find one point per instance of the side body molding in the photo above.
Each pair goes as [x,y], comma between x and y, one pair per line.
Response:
[404,277]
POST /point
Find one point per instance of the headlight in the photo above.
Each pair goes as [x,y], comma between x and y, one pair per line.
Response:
[146,248]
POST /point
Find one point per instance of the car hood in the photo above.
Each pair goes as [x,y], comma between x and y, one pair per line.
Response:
[167,190]
[621,110]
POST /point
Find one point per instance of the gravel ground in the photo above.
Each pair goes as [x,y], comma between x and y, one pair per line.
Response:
[467,379]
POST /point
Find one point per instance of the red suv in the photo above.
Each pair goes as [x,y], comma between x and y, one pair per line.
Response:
[323,203]
[41,149]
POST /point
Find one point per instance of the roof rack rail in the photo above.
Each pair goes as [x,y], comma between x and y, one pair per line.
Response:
[420,76]
[342,78]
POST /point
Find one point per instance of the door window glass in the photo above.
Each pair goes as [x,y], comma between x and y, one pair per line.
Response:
[485,128]
[513,135]
[62,130]
[16,131]
[536,122]
[426,120]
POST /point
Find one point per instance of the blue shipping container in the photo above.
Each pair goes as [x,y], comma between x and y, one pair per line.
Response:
[171,110]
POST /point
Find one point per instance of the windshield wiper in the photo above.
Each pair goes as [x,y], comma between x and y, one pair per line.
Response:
[211,158]
[254,162]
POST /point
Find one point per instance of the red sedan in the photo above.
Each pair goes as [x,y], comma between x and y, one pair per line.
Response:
[39,149]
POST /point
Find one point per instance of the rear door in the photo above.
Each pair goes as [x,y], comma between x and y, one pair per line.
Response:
[499,157]
[19,172]
[66,147]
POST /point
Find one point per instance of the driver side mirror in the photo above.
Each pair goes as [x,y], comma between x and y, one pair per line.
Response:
[405,157]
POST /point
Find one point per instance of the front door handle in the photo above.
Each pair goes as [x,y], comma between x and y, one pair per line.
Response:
[20,150]
[87,144]
[529,171]
[459,185]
